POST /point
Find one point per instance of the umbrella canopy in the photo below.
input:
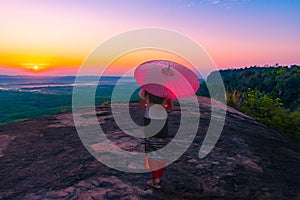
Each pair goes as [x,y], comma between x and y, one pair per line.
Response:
[167,79]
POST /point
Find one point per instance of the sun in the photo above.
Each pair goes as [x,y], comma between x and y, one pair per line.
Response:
[35,67]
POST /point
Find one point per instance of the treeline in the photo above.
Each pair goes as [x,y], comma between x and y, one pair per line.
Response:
[271,95]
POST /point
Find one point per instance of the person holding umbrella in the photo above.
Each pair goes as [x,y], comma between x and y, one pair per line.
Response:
[161,81]
[155,115]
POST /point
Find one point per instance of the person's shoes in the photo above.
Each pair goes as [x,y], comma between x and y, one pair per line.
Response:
[154,183]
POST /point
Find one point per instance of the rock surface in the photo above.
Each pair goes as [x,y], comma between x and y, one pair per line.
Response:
[44,158]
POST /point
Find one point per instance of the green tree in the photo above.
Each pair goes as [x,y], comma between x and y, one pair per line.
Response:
[271,113]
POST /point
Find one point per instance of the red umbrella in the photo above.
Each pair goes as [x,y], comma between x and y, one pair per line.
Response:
[167,79]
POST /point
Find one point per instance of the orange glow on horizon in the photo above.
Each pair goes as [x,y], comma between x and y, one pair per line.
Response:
[40,64]
[35,67]
[123,65]
[128,62]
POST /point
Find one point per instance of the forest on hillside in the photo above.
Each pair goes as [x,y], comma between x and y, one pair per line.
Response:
[270,94]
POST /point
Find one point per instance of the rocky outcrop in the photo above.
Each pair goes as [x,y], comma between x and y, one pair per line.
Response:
[45,159]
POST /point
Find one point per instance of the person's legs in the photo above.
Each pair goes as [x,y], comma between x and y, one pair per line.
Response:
[157,174]
[156,160]
[158,168]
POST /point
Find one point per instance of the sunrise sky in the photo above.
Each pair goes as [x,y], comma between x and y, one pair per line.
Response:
[53,37]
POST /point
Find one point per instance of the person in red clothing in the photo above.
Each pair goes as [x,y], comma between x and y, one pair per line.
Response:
[156,133]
